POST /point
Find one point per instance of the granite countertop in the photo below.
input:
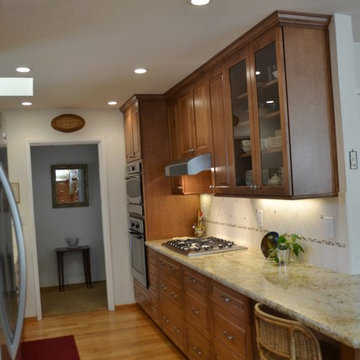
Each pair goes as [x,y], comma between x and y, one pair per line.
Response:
[324,300]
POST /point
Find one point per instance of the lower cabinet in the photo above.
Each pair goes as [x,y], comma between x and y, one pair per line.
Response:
[203,318]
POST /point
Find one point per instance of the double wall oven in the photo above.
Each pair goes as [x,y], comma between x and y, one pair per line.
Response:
[136,221]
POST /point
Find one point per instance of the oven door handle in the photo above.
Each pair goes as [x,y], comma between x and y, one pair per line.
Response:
[138,235]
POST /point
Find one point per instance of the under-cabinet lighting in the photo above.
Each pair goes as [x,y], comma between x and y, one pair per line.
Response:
[257,72]
[270,101]
[26,103]
[112,102]
[23,69]
[140,71]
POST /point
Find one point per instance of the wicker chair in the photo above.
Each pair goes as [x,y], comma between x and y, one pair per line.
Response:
[281,339]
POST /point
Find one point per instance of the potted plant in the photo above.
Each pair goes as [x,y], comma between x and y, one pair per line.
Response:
[286,247]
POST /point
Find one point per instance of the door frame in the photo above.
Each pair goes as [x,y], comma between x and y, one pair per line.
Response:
[104,216]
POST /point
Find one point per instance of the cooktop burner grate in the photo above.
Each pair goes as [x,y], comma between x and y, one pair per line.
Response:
[202,246]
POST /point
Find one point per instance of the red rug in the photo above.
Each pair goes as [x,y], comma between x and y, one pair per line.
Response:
[59,348]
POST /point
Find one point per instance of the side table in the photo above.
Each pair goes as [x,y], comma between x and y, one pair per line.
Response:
[85,250]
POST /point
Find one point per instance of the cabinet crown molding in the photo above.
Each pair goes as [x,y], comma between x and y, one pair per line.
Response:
[277,18]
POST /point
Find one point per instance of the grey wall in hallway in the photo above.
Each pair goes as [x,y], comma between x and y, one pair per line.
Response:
[54,224]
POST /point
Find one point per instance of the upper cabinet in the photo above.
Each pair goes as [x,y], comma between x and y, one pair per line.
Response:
[132,133]
[269,105]
[192,119]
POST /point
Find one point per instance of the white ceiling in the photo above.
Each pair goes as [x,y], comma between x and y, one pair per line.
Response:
[83,52]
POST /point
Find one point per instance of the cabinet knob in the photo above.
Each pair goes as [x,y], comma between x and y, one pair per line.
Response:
[195,311]
[197,350]
[211,186]
[225,298]
[228,336]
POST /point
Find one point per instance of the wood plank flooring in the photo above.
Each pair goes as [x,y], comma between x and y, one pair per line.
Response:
[126,334]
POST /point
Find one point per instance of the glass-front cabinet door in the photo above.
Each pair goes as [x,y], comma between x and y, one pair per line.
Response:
[242,125]
[269,116]
[257,97]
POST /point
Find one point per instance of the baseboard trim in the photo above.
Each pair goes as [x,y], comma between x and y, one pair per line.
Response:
[125,306]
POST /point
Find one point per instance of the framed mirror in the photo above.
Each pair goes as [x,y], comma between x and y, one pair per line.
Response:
[69,185]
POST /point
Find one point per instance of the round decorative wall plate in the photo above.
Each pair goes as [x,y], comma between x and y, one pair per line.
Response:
[68,123]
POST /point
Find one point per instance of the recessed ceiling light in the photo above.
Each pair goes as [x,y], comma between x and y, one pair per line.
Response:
[23,69]
[112,102]
[140,71]
[199,2]
[26,103]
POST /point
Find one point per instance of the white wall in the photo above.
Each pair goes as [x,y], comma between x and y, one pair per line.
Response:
[235,217]
[53,225]
[107,125]
[357,65]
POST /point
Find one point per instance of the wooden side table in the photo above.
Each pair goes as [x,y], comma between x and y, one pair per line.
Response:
[85,250]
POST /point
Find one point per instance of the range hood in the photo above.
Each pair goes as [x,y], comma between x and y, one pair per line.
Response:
[190,166]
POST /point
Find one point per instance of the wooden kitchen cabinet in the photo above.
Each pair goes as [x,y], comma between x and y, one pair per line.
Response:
[231,323]
[271,110]
[192,121]
[187,184]
[205,319]
[282,137]
[132,133]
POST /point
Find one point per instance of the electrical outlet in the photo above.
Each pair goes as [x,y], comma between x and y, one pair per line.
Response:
[260,218]
[329,227]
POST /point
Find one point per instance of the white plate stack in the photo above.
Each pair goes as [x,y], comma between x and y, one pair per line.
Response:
[246,145]
[248,177]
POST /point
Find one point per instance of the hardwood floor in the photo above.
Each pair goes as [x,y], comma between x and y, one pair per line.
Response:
[126,334]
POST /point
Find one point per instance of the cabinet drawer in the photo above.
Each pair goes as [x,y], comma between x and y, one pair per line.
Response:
[223,353]
[198,346]
[168,267]
[152,257]
[153,283]
[154,310]
[231,301]
[196,281]
[171,291]
[142,297]
[230,335]
[172,324]
[197,311]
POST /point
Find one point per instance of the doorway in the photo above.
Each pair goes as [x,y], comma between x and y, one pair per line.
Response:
[54,225]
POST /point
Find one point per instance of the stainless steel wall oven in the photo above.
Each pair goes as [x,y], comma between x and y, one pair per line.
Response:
[136,222]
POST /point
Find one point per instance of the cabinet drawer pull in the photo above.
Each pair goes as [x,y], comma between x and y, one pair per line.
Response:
[164,287]
[225,298]
[165,319]
[172,268]
[195,311]
[176,329]
[197,350]
[178,187]
[228,336]
[174,295]
[153,309]
[193,280]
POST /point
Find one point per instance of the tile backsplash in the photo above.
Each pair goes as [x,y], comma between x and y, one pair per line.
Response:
[235,219]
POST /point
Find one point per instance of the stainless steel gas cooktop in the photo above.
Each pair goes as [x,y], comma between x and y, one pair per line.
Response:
[202,246]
